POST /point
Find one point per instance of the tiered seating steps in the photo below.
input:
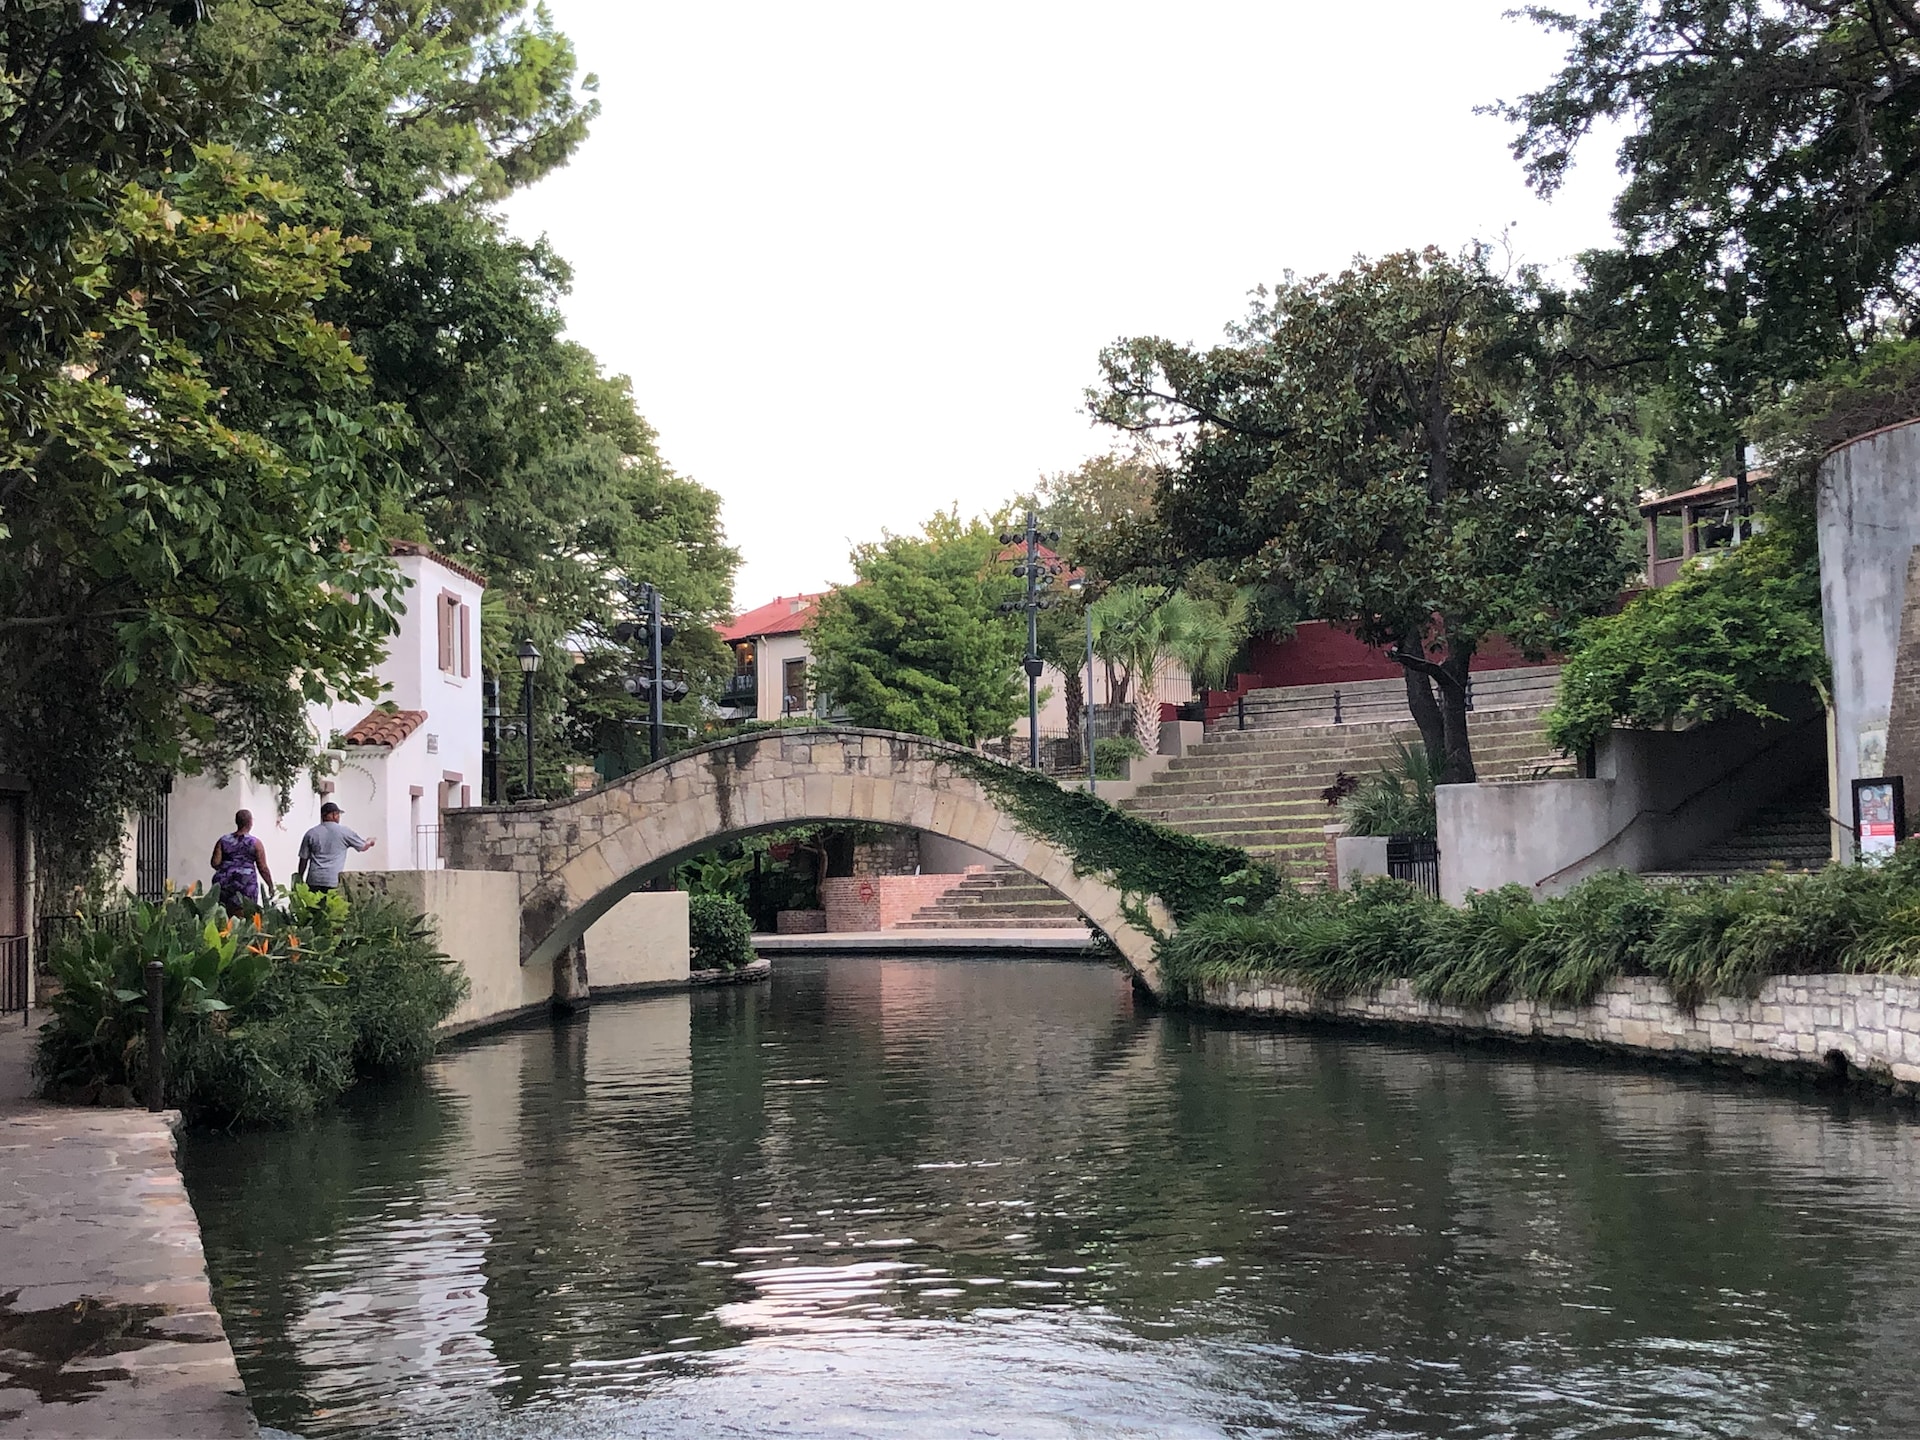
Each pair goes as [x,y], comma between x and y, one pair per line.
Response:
[998,899]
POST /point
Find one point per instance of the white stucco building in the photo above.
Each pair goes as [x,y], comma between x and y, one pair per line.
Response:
[393,765]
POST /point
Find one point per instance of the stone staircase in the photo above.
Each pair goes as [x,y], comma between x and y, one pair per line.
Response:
[1792,835]
[998,899]
[1260,787]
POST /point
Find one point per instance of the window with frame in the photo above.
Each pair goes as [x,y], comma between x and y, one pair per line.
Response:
[794,687]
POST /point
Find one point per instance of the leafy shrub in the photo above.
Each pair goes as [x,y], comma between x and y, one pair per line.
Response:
[720,931]
[269,1016]
[1397,799]
[1110,756]
[1708,938]
[1718,641]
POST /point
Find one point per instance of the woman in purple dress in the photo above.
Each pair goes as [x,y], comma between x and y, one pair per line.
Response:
[240,865]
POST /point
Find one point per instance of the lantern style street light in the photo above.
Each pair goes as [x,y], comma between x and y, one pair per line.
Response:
[529,658]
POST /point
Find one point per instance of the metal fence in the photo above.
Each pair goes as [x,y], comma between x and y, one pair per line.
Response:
[1415,859]
[426,848]
[150,847]
[1373,703]
[16,980]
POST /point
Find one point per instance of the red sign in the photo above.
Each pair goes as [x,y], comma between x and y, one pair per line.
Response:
[867,892]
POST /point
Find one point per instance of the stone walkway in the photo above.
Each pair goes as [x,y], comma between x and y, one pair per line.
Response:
[107,1324]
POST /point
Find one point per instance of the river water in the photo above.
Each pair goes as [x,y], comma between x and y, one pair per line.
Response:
[995,1198]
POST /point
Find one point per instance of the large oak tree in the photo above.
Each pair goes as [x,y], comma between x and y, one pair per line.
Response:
[1412,449]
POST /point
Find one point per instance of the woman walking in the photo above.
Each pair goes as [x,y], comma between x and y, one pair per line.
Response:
[240,865]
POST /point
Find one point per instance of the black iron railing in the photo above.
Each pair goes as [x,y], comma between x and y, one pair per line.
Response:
[16,979]
[1415,859]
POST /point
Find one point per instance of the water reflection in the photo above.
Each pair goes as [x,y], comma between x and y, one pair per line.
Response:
[969,1197]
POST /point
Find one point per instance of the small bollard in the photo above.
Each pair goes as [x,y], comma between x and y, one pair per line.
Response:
[156,1037]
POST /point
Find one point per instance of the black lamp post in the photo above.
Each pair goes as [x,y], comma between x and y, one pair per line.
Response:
[529,667]
[1033,569]
[1078,585]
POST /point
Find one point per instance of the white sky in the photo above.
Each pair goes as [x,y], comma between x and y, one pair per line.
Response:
[859,260]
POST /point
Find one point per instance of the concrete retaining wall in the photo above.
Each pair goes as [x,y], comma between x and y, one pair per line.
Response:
[1868,509]
[639,944]
[1796,1021]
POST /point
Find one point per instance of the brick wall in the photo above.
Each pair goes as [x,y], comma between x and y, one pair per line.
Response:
[880,902]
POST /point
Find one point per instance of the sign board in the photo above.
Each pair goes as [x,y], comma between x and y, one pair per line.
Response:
[1879,815]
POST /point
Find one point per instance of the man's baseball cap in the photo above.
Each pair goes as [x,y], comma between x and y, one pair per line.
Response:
[329,809]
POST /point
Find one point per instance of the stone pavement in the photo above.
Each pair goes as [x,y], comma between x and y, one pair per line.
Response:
[107,1324]
[1061,942]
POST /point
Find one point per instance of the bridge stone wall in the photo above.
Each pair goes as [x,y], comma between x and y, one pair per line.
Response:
[576,858]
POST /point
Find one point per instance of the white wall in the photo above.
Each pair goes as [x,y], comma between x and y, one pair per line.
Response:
[642,941]
[1868,508]
[374,786]
[476,916]
[771,655]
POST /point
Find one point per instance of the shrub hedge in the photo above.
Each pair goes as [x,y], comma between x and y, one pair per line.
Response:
[1704,938]
[720,931]
[270,1015]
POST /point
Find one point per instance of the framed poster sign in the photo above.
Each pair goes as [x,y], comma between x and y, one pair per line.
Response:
[1879,815]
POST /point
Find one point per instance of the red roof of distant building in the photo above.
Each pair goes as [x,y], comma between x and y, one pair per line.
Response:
[783,615]
[385,727]
[414,547]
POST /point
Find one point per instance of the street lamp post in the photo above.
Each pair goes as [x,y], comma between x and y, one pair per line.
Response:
[1034,570]
[529,658]
[1078,586]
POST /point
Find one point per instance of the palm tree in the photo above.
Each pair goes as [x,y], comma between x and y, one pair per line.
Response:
[1139,627]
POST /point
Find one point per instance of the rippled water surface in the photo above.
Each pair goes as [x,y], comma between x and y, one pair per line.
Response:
[993,1198]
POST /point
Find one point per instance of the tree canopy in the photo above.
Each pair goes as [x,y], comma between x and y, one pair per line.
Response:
[1770,219]
[1412,449]
[918,643]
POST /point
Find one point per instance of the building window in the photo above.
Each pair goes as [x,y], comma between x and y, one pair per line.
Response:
[794,691]
[743,685]
[454,631]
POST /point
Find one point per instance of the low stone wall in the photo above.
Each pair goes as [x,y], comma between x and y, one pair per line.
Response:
[640,944]
[1798,1022]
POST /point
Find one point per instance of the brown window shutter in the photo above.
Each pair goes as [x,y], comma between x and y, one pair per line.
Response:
[466,641]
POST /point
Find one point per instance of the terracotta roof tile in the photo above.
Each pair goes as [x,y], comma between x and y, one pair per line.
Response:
[783,615]
[386,727]
[414,547]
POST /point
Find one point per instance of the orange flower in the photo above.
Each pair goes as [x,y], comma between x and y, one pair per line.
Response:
[226,929]
[256,922]
[294,941]
[258,948]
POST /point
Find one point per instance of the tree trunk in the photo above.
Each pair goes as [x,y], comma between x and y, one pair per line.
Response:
[1076,715]
[1452,684]
[1146,711]
[1424,708]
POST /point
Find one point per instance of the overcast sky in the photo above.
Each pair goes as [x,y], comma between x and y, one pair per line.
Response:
[859,260]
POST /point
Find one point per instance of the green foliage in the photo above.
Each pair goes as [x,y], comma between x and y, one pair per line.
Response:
[918,643]
[188,547]
[1190,876]
[1721,640]
[1397,799]
[1138,627]
[1770,218]
[1704,939]
[1414,448]
[1112,753]
[268,1017]
[721,932]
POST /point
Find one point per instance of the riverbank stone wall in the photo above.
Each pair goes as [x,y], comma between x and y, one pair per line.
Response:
[1866,1027]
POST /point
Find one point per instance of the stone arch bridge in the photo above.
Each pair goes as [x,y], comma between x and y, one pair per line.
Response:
[577,858]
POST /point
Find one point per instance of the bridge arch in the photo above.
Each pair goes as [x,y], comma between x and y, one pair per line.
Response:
[577,858]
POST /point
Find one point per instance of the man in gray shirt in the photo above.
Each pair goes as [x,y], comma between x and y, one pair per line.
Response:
[323,849]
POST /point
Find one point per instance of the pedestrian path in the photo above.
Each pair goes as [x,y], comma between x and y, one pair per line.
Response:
[107,1323]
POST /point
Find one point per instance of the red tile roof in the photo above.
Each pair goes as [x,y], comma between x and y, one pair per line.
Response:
[783,615]
[1712,490]
[414,547]
[386,727]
